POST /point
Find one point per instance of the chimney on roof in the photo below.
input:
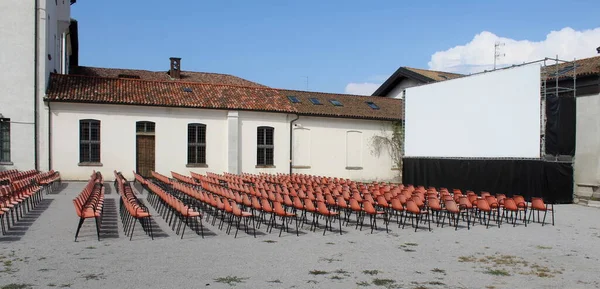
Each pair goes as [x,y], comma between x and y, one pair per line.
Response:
[175,71]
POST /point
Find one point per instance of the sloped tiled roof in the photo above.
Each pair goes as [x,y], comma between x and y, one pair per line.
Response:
[353,106]
[584,67]
[75,88]
[90,89]
[186,76]
[435,75]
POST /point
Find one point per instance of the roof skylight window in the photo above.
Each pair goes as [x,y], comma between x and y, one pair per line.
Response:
[336,102]
[372,105]
[293,99]
[315,101]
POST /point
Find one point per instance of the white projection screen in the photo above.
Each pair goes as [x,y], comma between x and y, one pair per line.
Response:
[489,115]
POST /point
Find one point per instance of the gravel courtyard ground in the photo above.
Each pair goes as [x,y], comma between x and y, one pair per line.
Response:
[41,253]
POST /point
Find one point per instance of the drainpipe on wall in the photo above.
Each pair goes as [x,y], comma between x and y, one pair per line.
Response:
[291,144]
[35,86]
[49,137]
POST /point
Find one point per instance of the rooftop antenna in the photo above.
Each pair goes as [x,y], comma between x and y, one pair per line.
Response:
[306,83]
[497,53]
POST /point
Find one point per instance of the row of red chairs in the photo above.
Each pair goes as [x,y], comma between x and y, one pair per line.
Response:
[385,190]
[90,202]
[49,180]
[16,175]
[18,198]
[131,209]
[275,204]
[170,207]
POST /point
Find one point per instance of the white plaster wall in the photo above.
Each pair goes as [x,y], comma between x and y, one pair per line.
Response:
[17,30]
[328,153]
[249,122]
[118,138]
[587,146]
[16,83]
[404,84]
[54,21]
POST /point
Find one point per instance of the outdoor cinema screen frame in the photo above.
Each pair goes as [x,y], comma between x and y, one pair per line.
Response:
[488,115]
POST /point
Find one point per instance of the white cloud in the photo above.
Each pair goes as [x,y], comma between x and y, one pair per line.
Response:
[365,88]
[478,54]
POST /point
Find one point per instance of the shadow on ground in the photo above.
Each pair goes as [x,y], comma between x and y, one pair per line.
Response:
[22,225]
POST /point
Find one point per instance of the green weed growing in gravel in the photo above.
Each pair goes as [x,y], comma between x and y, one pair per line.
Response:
[318,272]
[230,280]
[371,272]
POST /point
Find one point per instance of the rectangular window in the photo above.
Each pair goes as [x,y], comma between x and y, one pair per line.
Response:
[196,143]
[315,101]
[335,102]
[89,141]
[293,99]
[5,140]
[265,147]
[372,105]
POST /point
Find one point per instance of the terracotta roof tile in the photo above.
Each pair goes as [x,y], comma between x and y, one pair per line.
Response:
[435,75]
[74,88]
[186,76]
[91,89]
[354,106]
[584,67]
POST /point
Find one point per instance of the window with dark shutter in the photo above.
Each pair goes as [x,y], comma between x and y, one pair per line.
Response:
[196,143]
[89,141]
[265,147]
[4,140]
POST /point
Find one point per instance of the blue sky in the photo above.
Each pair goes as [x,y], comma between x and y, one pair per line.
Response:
[334,43]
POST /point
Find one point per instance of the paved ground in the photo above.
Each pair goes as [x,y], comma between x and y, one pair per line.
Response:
[41,252]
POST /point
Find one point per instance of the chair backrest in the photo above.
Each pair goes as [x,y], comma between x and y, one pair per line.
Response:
[412,207]
[452,207]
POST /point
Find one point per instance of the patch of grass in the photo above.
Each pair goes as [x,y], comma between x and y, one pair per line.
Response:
[16,286]
[410,250]
[330,243]
[51,285]
[383,282]
[230,280]
[7,263]
[336,277]
[65,285]
[270,241]
[490,287]
[351,242]
[363,283]
[438,270]
[312,281]
[467,259]
[371,272]
[543,247]
[41,258]
[497,272]
[44,270]
[436,283]
[420,287]
[90,247]
[274,281]
[411,244]
[330,260]
[318,272]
